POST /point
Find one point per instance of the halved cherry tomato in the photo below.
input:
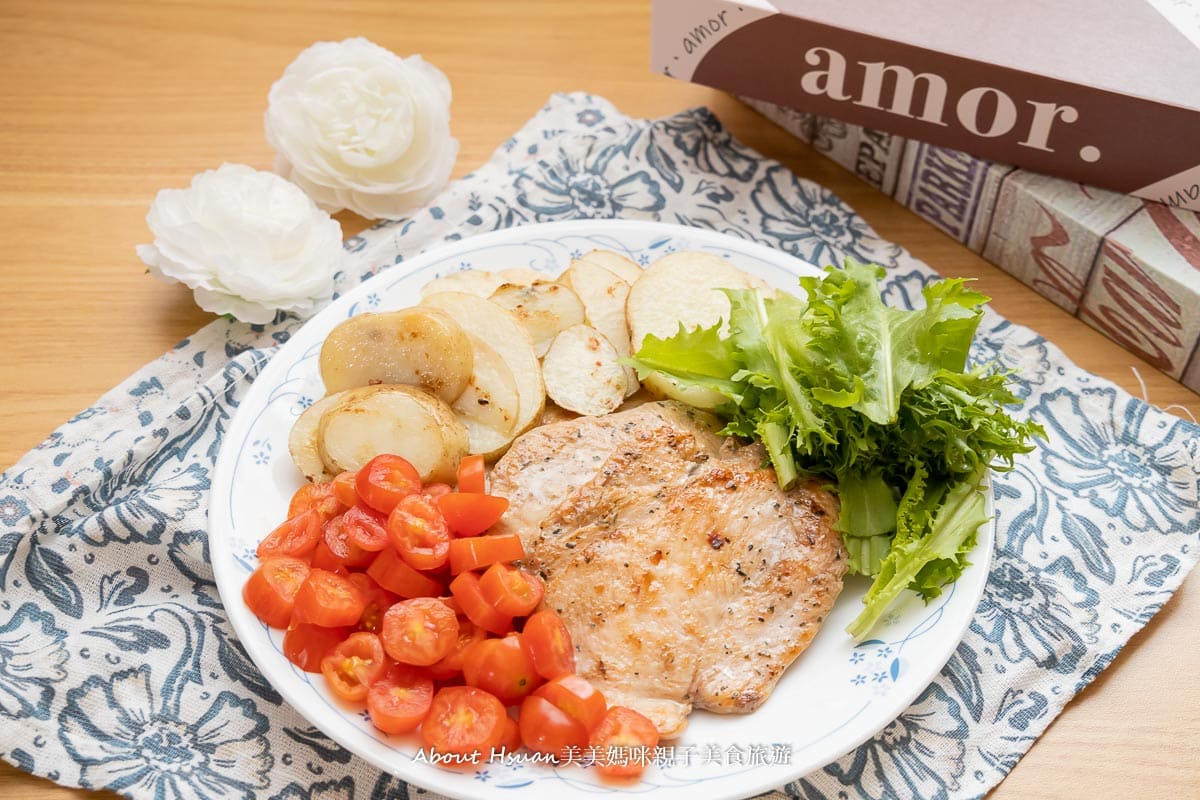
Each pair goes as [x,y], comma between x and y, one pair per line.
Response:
[329,599]
[502,667]
[464,720]
[511,740]
[399,700]
[296,537]
[390,572]
[436,489]
[318,496]
[323,558]
[549,644]
[306,645]
[471,478]
[337,537]
[482,551]
[376,601]
[365,529]
[421,631]
[419,533]
[577,697]
[628,730]
[471,514]
[545,728]
[466,591]
[385,481]
[270,591]
[352,666]
[511,591]
[344,489]
[452,665]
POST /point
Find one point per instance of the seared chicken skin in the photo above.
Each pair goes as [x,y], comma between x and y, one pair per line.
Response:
[686,577]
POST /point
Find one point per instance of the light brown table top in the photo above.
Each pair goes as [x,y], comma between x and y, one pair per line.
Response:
[104,103]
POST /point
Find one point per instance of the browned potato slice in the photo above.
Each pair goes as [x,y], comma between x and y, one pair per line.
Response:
[603,295]
[303,443]
[682,288]
[544,307]
[490,404]
[615,263]
[582,373]
[500,330]
[393,418]
[480,282]
[413,346]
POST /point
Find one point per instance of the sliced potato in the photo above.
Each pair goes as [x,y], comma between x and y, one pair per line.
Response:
[490,404]
[582,373]
[303,441]
[480,282]
[491,395]
[682,288]
[544,307]
[603,295]
[393,418]
[415,346]
[617,264]
[494,325]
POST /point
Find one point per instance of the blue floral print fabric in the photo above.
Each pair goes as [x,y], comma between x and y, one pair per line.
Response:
[118,668]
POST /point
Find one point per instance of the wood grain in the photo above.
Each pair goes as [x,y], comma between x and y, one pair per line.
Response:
[105,103]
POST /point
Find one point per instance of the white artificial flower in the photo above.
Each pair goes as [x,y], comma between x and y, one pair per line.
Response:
[246,242]
[358,127]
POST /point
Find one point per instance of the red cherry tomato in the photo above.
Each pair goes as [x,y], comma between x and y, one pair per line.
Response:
[344,489]
[421,631]
[464,720]
[270,592]
[502,667]
[399,700]
[390,572]
[436,489]
[385,481]
[317,496]
[577,697]
[352,666]
[625,741]
[296,537]
[549,644]
[342,548]
[466,591]
[419,533]
[306,645]
[511,591]
[452,665]
[329,599]
[376,601]
[547,729]
[482,551]
[471,477]
[471,514]
[365,529]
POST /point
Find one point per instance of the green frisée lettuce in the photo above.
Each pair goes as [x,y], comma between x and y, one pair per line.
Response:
[879,398]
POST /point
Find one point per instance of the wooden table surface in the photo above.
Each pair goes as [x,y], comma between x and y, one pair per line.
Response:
[104,103]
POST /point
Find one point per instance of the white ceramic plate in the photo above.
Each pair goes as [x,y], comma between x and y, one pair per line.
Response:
[833,698]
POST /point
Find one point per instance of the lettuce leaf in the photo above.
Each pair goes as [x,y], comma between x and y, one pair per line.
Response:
[881,399]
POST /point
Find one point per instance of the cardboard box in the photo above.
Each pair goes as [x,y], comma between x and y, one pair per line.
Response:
[1127,267]
[1101,92]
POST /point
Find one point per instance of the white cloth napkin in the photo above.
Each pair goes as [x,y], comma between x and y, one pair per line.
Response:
[119,670]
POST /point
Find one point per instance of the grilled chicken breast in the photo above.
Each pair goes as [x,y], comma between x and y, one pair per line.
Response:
[686,576]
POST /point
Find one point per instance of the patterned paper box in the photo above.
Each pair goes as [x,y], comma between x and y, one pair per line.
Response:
[1144,292]
[1129,268]
[1094,91]
[1047,232]
[952,190]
